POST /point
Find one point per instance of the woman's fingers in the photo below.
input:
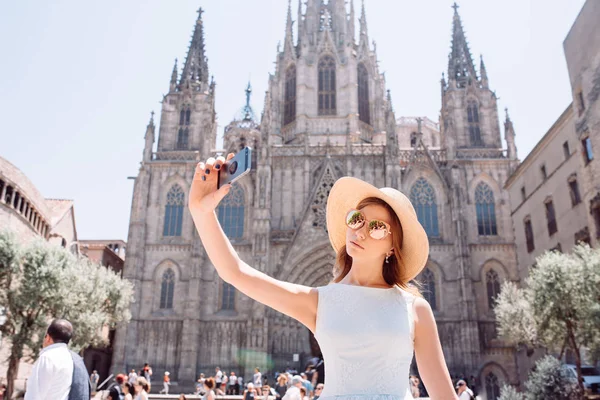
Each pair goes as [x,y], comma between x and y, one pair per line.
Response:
[219,162]
[230,156]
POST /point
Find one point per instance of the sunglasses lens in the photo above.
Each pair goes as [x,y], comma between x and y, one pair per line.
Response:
[355,219]
[377,230]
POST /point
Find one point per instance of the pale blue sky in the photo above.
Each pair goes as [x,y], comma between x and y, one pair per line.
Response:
[79,78]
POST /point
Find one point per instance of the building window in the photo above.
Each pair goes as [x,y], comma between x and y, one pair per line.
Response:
[174,212]
[364,113]
[543,171]
[181,117]
[473,124]
[492,387]
[231,213]
[574,190]
[493,287]
[580,102]
[428,283]
[583,235]
[529,235]
[228,297]
[422,197]
[167,288]
[588,155]
[182,139]
[187,116]
[523,196]
[289,113]
[486,211]
[595,211]
[551,217]
[566,150]
[327,86]
[413,139]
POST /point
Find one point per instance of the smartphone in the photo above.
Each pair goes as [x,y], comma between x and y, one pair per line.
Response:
[235,168]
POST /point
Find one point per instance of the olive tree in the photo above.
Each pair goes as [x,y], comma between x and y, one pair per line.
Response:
[40,282]
[558,307]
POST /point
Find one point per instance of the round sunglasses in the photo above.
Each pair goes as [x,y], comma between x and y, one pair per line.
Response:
[355,219]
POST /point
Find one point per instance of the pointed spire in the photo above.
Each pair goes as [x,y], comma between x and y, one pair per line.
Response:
[288,44]
[460,63]
[509,135]
[173,84]
[149,139]
[196,63]
[483,73]
[351,28]
[364,34]
[301,25]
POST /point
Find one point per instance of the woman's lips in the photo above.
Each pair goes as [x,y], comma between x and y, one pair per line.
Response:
[357,245]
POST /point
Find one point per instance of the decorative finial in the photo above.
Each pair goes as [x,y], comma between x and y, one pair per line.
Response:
[506,111]
[455,6]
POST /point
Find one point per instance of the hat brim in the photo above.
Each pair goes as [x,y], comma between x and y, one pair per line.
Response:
[345,195]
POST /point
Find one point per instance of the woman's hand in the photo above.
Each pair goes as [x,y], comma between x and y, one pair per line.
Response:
[204,196]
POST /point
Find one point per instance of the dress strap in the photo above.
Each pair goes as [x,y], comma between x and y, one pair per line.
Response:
[410,300]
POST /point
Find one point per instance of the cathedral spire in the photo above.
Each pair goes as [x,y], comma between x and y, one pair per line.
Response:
[509,135]
[364,34]
[196,63]
[149,139]
[461,68]
[351,28]
[301,27]
[173,84]
[288,44]
[483,72]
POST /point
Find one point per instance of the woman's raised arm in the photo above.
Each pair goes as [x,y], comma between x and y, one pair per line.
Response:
[296,301]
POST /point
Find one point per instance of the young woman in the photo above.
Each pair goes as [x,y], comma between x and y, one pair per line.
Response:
[141,388]
[380,248]
[250,392]
[209,385]
[128,391]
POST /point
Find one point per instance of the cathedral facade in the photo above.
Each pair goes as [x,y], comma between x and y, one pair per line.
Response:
[327,114]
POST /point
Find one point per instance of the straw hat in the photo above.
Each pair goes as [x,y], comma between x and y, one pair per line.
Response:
[347,192]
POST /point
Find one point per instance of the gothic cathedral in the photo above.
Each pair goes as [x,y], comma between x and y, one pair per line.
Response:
[326,114]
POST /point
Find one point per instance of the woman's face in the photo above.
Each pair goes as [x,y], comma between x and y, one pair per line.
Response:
[359,245]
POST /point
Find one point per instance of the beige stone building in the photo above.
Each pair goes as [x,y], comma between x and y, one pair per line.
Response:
[327,114]
[26,212]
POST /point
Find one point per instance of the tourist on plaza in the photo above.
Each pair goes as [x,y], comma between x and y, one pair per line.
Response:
[94,378]
[147,374]
[380,247]
[128,391]
[250,392]
[257,378]
[293,393]
[266,392]
[464,393]
[218,378]
[58,373]
[166,383]
[318,390]
[281,386]
[182,397]
[414,387]
[209,385]
[232,383]
[132,377]
[303,394]
[141,389]
[116,390]
[307,384]
[240,384]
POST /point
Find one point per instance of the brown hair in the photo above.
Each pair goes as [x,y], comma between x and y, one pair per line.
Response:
[392,271]
[303,391]
[143,383]
[210,383]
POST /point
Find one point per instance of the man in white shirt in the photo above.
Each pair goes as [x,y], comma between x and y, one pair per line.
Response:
[293,393]
[52,373]
[464,393]
[132,377]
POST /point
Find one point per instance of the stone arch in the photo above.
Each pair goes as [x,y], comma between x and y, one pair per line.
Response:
[489,180]
[496,370]
[439,194]
[157,279]
[166,187]
[495,270]
[439,279]
[311,261]
[497,265]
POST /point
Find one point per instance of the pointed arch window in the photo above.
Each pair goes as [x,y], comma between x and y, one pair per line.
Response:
[231,213]
[167,289]
[413,139]
[289,111]
[493,287]
[364,113]
[485,208]
[174,211]
[422,197]
[473,123]
[228,297]
[181,117]
[428,282]
[182,139]
[492,386]
[187,116]
[327,92]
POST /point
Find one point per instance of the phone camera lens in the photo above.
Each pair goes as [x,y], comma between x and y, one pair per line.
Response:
[233,167]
